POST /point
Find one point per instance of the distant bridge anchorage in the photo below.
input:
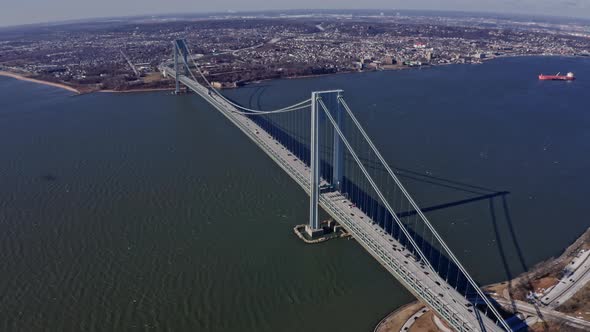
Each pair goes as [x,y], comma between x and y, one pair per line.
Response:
[322,146]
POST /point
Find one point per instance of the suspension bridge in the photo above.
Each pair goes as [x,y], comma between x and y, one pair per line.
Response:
[322,146]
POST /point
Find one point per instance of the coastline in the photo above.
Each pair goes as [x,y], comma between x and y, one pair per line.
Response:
[33,80]
[136,90]
[70,88]
[82,90]
[500,290]
[79,91]
[401,68]
[344,72]
[394,320]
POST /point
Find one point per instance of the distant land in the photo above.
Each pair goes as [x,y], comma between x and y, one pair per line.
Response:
[124,54]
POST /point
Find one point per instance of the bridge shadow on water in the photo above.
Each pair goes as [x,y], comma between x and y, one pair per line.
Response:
[525,284]
[298,145]
[439,261]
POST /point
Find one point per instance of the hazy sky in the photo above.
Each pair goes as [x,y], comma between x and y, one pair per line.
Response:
[31,11]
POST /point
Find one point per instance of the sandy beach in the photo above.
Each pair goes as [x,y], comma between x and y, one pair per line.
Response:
[28,79]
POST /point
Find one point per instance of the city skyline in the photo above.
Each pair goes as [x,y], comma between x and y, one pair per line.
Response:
[64,10]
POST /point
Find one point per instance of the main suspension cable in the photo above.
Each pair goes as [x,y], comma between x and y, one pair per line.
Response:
[210,86]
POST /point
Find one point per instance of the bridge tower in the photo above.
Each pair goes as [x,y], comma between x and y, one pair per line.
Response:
[180,50]
[338,157]
[332,99]
[175,57]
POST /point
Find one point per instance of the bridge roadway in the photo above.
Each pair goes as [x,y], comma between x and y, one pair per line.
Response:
[424,283]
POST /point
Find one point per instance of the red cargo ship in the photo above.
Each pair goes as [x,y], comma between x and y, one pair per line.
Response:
[569,77]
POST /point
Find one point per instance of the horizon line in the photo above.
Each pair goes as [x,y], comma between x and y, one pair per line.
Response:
[59,22]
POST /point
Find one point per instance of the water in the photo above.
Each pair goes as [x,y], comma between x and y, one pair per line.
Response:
[150,212]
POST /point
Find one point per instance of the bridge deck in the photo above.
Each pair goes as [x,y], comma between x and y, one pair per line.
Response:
[425,284]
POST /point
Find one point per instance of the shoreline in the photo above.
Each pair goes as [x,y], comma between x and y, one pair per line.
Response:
[136,90]
[81,90]
[402,68]
[500,289]
[42,82]
[70,88]
[328,74]
[387,322]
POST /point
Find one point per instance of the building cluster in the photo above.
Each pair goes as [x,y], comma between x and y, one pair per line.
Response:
[234,51]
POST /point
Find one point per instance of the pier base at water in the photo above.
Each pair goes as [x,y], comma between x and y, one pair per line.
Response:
[314,233]
[328,230]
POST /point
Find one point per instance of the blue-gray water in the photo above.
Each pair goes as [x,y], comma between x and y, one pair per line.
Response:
[151,212]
